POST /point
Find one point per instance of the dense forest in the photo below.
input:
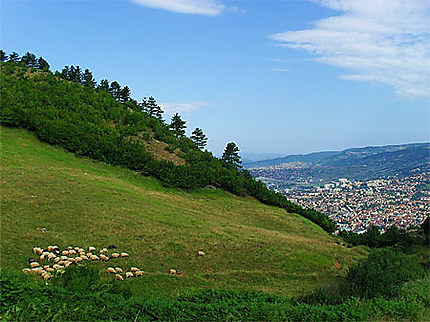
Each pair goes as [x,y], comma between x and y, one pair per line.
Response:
[102,121]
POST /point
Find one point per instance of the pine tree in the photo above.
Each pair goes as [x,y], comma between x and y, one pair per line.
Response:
[231,155]
[42,64]
[125,94]
[65,73]
[78,75]
[115,89]
[150,106]
[88,79]
[14,57]
[104,85]
[178,125]
[3,56]
[199,138]
[29,59]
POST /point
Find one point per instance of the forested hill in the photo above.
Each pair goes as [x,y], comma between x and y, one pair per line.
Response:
[103,122]
[358,163]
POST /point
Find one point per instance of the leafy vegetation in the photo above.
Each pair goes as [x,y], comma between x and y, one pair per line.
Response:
[105,124]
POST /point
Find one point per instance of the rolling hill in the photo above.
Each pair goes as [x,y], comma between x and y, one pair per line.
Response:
[82,202]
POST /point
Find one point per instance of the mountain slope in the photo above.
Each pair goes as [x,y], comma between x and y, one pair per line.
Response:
[81,202]
[357,163]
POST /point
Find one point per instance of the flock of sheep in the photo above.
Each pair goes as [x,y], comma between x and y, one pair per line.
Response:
[57,260]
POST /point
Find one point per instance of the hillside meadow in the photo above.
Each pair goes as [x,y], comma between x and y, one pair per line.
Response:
[49,196]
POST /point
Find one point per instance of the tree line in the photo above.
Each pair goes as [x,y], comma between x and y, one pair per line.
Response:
[102,121]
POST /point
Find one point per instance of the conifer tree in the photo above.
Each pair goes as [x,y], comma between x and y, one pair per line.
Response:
[178,125]
[125,94]
[151,107]
[78,75]
[104,85]
[3,56]
[231,155]
[115,89]
[14,57]
[88,79]
[42,64]
[199,138]
[65,73]
[29,59]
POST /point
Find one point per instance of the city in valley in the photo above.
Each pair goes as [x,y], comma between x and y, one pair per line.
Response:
[357,205]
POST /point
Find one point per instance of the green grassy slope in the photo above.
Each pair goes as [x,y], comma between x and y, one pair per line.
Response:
[81,203]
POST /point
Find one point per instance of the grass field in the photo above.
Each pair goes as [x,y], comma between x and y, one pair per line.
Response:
[80,202]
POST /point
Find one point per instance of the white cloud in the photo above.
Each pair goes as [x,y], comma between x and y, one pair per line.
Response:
[279,70]
[182,108]
[385,41]
[199,7]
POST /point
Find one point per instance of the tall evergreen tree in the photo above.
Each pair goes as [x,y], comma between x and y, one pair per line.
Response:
[115,89]
[104,85]
[231,155]
[125,94]
[88,79]
[65,73]
[14,57]
[151,107]
[178,125]
[29,59]
[78,75]
[3,56]
[199,138]
[42,64]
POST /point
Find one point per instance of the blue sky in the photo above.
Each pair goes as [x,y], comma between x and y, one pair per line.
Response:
[276,77]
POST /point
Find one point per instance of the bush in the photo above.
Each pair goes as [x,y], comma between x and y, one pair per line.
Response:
[381,274]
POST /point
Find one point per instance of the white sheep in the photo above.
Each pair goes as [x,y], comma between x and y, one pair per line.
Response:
[124,255]
[172,271]
[118,269]
[129,275]
[119,277]
[111,270]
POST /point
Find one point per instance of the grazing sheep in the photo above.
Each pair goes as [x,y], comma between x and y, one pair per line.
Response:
[119,277]
[200,253]
[50,248]
[84,258]
[94,258]
[89,254]
[67,264]
[82,254]
[71,260]
[65,252]
[138,273]
[61,262]
[103,251]
[46,276]
[129,275]
[118,269]
[115,255]
[78,259]
[172,271]
[64,258]
[134,269]
[51,256]
[57,267]
[36,269]
[72,252]
[56,259]
[34,264]
[42,258]
[26,270]
[111,270]
[104,258]
[112,247]
[49,269]
[31,260]
[91,249]
[77,249]
[124,255]
[45,267]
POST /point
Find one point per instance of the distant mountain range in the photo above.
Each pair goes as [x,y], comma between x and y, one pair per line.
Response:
[356,163]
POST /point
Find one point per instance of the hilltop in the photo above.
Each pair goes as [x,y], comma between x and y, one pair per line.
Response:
[81,202]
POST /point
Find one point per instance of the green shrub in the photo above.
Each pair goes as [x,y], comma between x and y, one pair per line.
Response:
[382,274]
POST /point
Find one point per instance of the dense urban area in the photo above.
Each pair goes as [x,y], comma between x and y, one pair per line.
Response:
[357,205]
